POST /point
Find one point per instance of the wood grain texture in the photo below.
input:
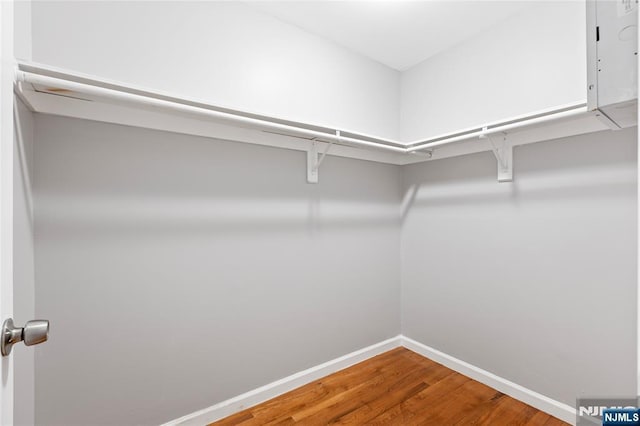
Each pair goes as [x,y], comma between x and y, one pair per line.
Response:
[398,387]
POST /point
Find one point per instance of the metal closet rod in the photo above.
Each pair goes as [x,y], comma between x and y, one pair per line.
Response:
[565,112]
[87,89]
[413,148]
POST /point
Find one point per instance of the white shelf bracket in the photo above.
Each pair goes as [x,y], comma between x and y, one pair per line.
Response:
[313,162]
[503,151]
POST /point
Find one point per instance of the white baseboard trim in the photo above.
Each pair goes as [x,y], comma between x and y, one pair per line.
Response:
[539,401]
[271,390]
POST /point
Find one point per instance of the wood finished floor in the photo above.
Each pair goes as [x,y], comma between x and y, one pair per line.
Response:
[398,387]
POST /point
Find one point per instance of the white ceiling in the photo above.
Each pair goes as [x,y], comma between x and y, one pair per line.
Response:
[397,33]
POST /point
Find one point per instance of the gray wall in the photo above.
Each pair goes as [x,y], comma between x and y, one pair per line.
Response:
[534,281]
[23,267]
[180,271]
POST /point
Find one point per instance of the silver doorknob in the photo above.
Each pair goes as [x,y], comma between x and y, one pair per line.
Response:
[33,332]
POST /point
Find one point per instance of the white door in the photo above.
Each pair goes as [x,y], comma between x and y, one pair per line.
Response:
[6,199]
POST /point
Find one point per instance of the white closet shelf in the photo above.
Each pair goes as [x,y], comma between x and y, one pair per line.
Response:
[54,91]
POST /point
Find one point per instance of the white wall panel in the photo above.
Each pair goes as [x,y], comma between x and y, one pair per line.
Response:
[533,61]
[226,53]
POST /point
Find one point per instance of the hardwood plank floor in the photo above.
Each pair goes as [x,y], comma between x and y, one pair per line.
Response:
[398,387]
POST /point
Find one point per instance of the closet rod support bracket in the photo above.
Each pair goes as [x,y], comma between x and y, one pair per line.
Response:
[312,163]
[503,151]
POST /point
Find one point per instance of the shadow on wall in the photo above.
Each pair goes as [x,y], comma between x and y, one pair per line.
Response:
[576,167]
[165,216]
[109,180]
